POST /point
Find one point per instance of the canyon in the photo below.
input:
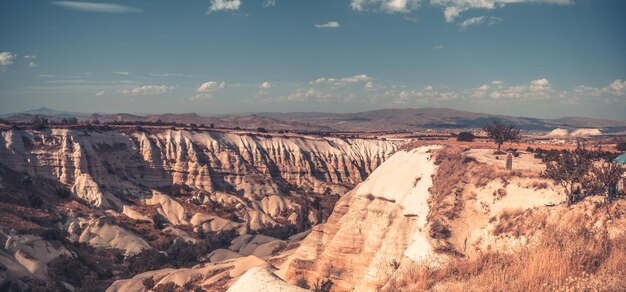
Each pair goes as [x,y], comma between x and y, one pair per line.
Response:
[238,210]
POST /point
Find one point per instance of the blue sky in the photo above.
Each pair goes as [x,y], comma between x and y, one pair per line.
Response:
[538,58]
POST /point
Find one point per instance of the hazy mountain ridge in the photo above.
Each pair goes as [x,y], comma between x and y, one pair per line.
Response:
[387,120]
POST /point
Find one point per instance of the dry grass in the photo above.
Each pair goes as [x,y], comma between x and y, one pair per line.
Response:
[539,185]
[565,259]
[509,219]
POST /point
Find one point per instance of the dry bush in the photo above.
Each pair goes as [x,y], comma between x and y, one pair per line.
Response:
[572,259]
[508,213]
[448,183]
[499,193]
[413,278]
[539,185]
[509,219]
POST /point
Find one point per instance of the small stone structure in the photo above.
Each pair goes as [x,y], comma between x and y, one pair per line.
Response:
[509,161]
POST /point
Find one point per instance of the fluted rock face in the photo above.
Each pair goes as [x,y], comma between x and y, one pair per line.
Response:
[382,220]
[101,167]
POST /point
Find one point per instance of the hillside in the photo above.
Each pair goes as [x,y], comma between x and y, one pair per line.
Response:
[435,118]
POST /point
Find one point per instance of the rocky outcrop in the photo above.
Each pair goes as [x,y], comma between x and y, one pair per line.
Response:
[261,280]
[27,256]
[382,220]
[101,233]
[209,276]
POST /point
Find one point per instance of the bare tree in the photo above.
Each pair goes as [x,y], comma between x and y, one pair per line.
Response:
[501,132]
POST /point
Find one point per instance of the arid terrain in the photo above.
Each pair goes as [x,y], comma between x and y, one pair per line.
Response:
[143,206]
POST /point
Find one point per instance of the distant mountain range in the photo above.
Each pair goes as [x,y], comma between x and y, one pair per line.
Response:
[377,120]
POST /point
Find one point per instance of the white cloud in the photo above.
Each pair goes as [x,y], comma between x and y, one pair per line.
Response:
[32,65]
[428,93]
[305,94]
[265,85]
[540,88]
[452,12]
[100,93]
[438,47]
[29,57]
[121,72]
[211,86]
[224,5]
[490,20]
[330,24]
[453,8]
[96,7]
[6,58]
[148,90]
[389,6]
[342,81]
[269,3]
[616,88]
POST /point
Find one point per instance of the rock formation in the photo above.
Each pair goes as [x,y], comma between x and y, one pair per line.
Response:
[381,220]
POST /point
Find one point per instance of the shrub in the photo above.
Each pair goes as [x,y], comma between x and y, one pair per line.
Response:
[167,287]
[146,260]
[67,269]
[148,283]
[621,146]
[323,285]
[302,283]
[570,170]
[279,231]
[35,201]
[605,179]
[465,137]
[63,193]
[439,231]
[88,283]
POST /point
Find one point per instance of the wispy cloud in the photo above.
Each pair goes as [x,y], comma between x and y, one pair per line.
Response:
[489,20]
[121,73]
[411,19]
[169,75]
[453,8]
[148,90]
[224,5]
[330,24]
[269,3]
[96,7]
[438,47]
[211,86]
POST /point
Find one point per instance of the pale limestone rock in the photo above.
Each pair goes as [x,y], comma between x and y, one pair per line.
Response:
[382,219]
